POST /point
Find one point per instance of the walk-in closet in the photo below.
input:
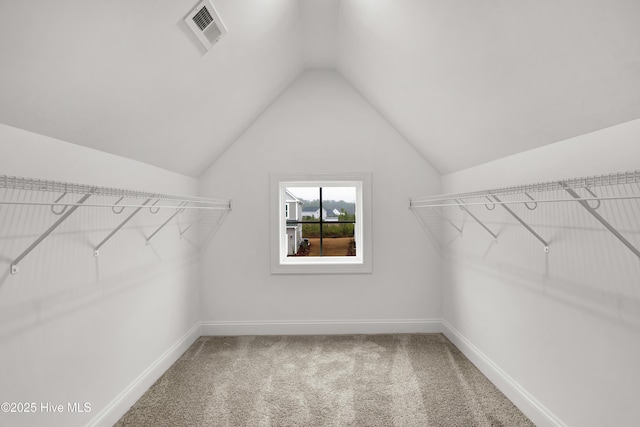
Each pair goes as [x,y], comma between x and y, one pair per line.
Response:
[319,213]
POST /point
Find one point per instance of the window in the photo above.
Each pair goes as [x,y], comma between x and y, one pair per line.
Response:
[320,223]
[326,225]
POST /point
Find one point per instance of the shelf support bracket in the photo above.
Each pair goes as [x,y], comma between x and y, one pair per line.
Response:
[122,224]
[179,210]
[195,221]
[443,218]
[428,230]
[601,220]
[449,221]
[65,215]
[524,224]
[462,206]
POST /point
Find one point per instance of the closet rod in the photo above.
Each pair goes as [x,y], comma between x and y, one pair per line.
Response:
[424,204]
[226,205]
[558,185]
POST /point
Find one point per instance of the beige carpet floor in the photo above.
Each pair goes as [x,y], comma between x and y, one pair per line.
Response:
[337,380]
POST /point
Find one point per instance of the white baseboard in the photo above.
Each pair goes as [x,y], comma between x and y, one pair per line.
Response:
[321,327]
[130,395]
[529,406]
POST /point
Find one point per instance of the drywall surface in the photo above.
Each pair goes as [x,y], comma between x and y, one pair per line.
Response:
[320,124]
[564,325]
[75,328]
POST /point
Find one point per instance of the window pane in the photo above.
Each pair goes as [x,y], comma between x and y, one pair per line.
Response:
[347,194]
[303,204]
[339,203]
[310,240]
[308,202]
[338,240]
[305,193]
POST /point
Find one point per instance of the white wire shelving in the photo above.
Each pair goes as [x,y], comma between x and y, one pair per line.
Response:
[123,199]
[558,191]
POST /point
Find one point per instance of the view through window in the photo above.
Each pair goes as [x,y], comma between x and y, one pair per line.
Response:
[321,221]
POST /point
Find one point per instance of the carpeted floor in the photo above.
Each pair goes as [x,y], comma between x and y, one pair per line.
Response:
[337,380]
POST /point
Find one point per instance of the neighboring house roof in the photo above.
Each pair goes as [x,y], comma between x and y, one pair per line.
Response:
[291,197]
[313,211]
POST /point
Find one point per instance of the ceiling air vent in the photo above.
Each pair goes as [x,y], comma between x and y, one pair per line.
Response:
[206,24]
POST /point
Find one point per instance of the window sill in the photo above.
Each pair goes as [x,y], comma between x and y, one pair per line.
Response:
[334,265]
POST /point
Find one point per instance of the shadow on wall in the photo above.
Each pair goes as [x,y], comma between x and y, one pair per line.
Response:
[61,275]
[586,267]
[22,317]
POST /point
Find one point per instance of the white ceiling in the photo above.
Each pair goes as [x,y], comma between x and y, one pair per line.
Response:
[464,82]
[127,78]
[469,81]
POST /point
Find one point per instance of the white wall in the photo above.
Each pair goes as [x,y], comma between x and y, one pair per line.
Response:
[564,325]
[74,328]
[320,124]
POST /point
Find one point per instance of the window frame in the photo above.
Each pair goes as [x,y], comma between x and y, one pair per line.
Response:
[283,264]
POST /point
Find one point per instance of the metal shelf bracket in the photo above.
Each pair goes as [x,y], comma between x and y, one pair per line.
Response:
[200,215]
[442,217]
[122,224]
[427,230]
[600,219]
[65,215]
[179,209]
[462,206]
[524,224]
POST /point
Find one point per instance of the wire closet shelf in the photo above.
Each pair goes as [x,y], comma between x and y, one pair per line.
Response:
[123,199]
[32,184]
[576,190]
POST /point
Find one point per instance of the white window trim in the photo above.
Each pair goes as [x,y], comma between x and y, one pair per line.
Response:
[361,263]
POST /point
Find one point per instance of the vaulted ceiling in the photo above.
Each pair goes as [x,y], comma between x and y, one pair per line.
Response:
[463,81]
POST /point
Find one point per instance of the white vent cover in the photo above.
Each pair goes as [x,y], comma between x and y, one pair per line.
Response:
[206,24]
